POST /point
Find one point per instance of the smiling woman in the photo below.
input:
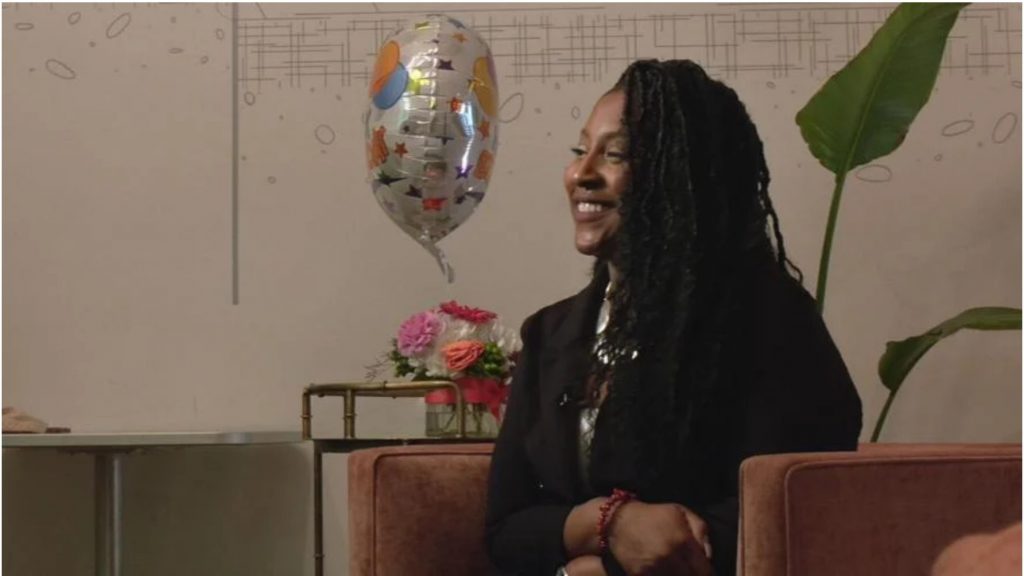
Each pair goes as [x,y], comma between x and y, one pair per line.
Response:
[596,179]
[694,347]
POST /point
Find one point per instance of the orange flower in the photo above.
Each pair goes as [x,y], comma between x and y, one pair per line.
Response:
[379,148]
[462,354]
[484,164]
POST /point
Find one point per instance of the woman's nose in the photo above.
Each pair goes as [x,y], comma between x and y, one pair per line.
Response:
[586,175]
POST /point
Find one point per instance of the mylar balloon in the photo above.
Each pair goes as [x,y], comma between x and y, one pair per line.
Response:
[432,128]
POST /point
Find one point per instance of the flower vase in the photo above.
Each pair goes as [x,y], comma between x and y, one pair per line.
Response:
[484,399]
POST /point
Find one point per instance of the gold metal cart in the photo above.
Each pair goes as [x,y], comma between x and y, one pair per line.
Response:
[349,391]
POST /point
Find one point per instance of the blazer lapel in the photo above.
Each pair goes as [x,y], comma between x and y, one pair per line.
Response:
[564,364]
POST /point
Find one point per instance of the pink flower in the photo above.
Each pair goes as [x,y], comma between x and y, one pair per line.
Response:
[417,333]
[467,313]
[462,354]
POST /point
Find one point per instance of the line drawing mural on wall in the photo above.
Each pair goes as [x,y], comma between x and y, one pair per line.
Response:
[294,47]
[282,60]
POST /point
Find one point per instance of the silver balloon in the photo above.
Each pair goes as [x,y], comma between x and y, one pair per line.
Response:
[432,128]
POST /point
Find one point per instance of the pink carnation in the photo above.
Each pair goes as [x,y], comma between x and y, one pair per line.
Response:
[417,333]
[467,313]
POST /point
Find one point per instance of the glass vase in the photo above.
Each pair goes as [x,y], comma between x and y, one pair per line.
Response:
[485,402]
[443,421]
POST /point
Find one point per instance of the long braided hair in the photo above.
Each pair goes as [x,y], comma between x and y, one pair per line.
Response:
[696,206]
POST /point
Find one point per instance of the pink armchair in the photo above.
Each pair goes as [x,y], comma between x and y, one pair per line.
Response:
[886,509]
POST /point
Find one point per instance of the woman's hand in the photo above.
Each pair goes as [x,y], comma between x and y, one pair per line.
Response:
[579,535]
[585,566]
[660,539]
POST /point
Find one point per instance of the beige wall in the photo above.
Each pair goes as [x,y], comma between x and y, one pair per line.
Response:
[117,235]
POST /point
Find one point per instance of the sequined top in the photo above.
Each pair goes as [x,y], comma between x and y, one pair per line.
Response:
[588,414]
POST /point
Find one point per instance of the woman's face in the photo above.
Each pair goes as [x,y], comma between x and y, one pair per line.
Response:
[597,177]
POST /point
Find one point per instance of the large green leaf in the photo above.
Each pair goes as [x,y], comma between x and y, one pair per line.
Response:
[865,110]
[900,357]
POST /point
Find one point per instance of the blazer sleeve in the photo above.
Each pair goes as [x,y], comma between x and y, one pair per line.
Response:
[800,396]
[797,397]
[523,528]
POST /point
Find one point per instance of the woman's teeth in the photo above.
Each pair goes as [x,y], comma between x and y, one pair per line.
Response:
[590,207]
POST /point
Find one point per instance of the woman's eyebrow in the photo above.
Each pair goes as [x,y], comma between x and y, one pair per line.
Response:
[620,133]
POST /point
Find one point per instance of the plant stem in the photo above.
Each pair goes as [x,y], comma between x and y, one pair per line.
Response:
[882,416]
[826,249]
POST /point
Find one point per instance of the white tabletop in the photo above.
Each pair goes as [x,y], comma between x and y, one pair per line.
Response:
[148,439]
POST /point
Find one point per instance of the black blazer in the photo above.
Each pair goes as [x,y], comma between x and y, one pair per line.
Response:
[791,393]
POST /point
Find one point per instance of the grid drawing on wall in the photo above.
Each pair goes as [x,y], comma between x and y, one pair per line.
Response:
[334,46]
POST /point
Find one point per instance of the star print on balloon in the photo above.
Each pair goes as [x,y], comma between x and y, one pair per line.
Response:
[433,204]
[462,194]
[387,179]
[432,128]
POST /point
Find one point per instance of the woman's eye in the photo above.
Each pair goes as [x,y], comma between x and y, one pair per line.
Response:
[616,156]
[578,151]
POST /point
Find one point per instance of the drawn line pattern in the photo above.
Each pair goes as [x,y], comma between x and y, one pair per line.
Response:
[290,50]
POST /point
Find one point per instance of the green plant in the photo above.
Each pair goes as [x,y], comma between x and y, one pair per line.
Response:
[864,112]
[900,357]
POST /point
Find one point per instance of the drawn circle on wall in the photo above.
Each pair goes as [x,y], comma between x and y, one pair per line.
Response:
[217,6]
[324,134]
[874,173]
[119,25]
[957,128]
[249,98]
[389,77]
[74,17]
[272,180]
[575,113]
[1004,127]
[770,84]
[24,26]
[511,108]
[60,69]
[176,50]
[938,157]
[219,33]
[204,59]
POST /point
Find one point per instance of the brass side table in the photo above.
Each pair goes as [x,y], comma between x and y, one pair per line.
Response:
[349,391]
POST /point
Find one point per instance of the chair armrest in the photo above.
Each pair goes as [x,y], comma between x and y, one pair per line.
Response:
[418,510]
[885,509]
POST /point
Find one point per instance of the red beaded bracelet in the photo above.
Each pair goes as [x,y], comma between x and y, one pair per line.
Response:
[608,509]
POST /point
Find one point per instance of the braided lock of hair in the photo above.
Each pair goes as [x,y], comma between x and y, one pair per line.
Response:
[697,203]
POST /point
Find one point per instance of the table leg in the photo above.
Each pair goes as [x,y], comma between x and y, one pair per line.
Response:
[108,514]
[318,509]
